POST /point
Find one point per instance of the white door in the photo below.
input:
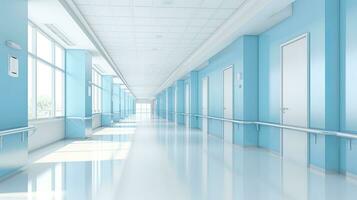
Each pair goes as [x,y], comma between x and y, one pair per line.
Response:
[294,105]
[228,103]
[205,104]
[187,105]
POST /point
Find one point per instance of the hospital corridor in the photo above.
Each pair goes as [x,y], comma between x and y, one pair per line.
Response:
[178,99]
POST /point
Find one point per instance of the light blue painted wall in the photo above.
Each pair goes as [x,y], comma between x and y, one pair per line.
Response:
[186,85]
[170,104]
[319,19]
[122,104]
[107,95]
[78,100]
[180,104]
[330,76]
[126,105]
[348,63]
[116,102]
[13,106]
[231,55]
[157,108]
[308,17]
[194,106]
[13,23]
[246,90]
[163,104]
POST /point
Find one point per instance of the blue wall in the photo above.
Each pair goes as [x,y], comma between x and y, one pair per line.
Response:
[13,23]
[348,64]
[332,29]
[231,55]
[170,106]
[107,104]
[246,91]
[180,104]
[320,19]
[116,102]
[122,104]
[194,106]
[78,100]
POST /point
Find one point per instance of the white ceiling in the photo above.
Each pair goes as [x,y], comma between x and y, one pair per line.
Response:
[149,39]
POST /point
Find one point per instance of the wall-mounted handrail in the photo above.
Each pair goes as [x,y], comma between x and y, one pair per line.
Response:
[17,130]
[275,125]
[80,118]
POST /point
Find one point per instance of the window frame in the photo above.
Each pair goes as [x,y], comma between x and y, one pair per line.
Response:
[54,68]
[143,108]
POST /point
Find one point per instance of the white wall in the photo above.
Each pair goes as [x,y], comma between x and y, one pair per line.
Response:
[47,131]
[96,121]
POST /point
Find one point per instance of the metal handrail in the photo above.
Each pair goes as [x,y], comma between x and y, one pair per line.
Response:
[80,118]
[17,130]
[275,125]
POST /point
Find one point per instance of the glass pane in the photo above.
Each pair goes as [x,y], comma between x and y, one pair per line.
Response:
[59,89]
[44,47]
[29,40]
[44,90]
[30,89]
[59,57]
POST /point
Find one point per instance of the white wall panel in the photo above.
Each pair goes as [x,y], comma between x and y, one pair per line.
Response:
[47,132]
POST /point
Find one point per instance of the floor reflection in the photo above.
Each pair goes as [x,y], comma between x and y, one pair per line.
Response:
[213,169]
[79,170]
[143,158]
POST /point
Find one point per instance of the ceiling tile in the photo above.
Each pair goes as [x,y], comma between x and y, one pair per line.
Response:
[231,3]
[211,3]
[148,39]
[222,13]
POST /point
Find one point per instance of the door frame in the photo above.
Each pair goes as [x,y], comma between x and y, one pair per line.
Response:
[207,77]
[226,68]
[307,36]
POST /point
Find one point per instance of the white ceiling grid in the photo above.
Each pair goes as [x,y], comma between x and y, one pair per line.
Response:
[148,39]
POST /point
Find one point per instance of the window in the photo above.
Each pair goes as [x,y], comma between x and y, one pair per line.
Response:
[44,90]
[46,75]
[143,108]
[96,91]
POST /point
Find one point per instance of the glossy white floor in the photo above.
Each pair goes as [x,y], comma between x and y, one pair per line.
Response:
[154,160]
